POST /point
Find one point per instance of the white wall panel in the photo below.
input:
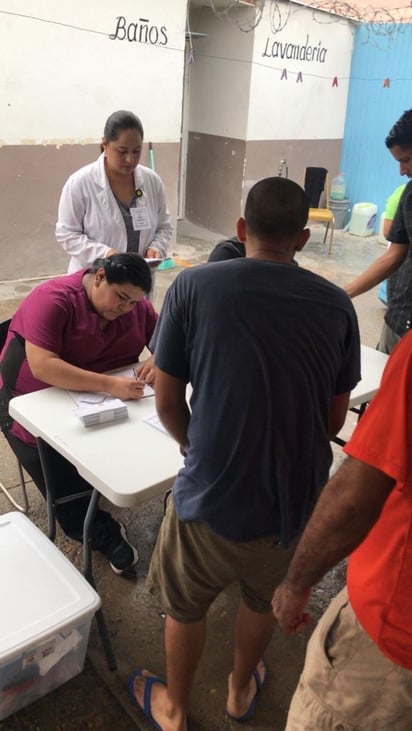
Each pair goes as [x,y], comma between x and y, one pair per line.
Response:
[62,75]
[311,108]
[220,76]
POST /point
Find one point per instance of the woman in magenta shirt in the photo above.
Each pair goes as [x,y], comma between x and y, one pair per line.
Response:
[68,332]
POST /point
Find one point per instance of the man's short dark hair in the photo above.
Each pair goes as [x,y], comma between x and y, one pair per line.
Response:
[401,132]
[276,208]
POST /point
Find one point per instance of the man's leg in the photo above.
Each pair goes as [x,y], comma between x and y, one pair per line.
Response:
[253,632]
[188,569]
[168,704]
[264,563]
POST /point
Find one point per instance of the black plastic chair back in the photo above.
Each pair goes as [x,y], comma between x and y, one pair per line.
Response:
[4,329]
[314,185]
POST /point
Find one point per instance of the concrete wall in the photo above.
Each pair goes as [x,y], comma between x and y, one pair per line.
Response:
[241,105]
[219,103]
[295,112]
[65,68]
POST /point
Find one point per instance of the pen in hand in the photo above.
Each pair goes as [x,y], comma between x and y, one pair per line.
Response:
[145,373]
[137,377]
[138,388]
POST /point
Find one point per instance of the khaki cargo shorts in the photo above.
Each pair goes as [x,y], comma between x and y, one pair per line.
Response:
[191,565]
[347,683]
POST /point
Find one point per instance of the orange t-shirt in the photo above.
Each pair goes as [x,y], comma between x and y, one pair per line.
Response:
[379,575]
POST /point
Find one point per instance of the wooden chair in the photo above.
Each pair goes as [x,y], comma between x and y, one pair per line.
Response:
[4,328]
[316,185]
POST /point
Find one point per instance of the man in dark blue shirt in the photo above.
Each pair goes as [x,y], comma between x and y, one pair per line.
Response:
[272,352]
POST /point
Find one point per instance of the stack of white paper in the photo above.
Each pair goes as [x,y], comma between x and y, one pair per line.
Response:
[98,408]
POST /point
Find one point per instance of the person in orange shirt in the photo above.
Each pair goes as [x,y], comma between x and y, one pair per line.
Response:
[358,667]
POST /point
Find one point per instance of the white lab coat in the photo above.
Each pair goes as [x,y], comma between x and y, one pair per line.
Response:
[90,222]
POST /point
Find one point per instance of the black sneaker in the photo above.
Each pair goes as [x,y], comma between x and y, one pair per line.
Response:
[122,556]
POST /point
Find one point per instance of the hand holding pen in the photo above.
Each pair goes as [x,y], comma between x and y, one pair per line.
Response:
[126,388]
[146,371]
[137,376]
[139,381]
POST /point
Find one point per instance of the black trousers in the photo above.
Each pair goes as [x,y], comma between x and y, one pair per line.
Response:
[70,516]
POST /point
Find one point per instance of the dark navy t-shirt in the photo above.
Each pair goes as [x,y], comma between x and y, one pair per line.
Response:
[266,347]
[399,313]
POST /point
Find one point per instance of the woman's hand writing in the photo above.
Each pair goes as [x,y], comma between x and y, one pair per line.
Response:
[126,388]
[147,371]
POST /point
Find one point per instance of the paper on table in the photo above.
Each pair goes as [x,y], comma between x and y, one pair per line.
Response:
[154,420]
[153,262]
[98,407]
[84,399]
[129,373]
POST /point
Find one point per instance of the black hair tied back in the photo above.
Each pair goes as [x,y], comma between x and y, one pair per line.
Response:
[125,268]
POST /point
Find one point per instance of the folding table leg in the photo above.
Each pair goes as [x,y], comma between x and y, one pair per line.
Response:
[44,453]
[88,573]
[52,503]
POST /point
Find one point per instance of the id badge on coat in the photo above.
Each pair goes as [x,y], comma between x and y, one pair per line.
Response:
[140,216]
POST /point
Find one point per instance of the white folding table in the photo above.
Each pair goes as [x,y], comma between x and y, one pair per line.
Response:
[372,364]
[127,462]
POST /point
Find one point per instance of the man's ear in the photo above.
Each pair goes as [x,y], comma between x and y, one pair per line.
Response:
[241,229]
[302,239]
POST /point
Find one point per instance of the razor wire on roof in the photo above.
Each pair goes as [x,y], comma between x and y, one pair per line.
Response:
[380,25]
[247,24]
[379,22]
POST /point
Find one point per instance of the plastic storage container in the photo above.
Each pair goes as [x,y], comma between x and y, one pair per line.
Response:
[337,188]
[340,210]
[363,219]
[46,610]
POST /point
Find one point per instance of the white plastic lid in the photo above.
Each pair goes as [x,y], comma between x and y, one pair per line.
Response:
[41,591]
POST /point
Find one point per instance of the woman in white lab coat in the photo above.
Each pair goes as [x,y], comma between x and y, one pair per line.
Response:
[114,204]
